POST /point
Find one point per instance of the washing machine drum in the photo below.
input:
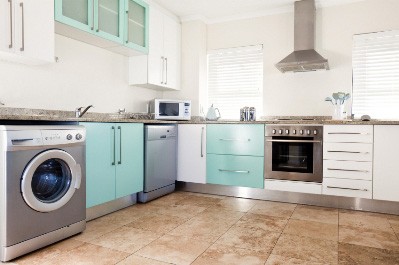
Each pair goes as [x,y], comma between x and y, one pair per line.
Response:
[50,180]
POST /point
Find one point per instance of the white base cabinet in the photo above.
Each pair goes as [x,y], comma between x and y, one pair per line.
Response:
[27,31]
[191,154]
[386,161]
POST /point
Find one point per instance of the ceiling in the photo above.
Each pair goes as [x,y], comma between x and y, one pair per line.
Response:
[213,11]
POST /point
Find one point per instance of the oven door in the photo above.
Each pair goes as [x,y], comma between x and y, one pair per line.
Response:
[293,158]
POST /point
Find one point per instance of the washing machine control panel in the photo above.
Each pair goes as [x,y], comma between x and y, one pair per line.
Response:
[51,137]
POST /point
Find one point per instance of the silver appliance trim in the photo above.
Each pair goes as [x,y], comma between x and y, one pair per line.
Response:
[11,252]
[304,58]
[151,195]
[340,202]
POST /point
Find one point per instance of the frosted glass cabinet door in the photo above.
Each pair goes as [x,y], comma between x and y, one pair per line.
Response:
[136,25]
[108,19]
[76,13]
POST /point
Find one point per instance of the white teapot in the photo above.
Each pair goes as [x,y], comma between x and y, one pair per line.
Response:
[211,114]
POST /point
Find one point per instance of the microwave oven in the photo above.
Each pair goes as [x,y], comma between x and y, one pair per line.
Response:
[170,109]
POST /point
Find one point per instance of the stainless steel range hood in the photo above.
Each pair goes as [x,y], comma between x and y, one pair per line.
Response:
[304,58]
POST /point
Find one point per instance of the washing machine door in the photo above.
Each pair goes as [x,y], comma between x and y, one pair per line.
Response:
[50,180]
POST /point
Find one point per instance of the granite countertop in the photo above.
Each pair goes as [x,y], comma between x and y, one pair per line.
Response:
[23,114]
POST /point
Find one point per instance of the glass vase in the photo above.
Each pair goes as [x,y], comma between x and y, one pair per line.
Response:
[338,113]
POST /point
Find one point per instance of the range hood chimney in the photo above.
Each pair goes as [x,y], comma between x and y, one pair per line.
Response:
[304,58]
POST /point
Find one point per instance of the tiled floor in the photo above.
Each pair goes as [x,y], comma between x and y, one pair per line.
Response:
[188,228]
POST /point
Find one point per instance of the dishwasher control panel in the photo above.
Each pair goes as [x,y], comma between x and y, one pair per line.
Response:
[160,132]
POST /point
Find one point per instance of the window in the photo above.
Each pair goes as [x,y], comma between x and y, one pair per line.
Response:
[235,80]
[375,75]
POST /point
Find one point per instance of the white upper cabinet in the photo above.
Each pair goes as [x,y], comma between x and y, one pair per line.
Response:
[386,160]
[160,69]
[27,31]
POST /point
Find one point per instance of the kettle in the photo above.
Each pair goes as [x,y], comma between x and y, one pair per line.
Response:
[211,114]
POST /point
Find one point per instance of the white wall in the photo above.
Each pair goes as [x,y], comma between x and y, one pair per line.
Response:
[84,75]
[304,93]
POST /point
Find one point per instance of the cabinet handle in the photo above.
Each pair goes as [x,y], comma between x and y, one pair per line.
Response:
[113,162]
[348,170]
[23,27]
[202,140]
[234,171]
[98,16]
[163,66]
[348,152]
[341,188]
[127,26]
[11,40]
[350,133]
[120,145]
[166,67]
[235,140]
[92,18]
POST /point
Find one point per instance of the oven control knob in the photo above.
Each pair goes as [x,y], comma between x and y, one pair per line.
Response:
[315,132]
[69,137]
[280,131]
[78,136]
[294,131]
[274,131]
[287,131]
[308,132]
[300,131]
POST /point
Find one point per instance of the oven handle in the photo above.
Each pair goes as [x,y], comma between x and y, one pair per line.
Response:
[294,141]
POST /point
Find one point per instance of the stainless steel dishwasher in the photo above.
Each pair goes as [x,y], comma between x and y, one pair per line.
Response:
[160,161]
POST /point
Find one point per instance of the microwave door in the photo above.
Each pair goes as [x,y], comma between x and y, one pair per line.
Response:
[169,109]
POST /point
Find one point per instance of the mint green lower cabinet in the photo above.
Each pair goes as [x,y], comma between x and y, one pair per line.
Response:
[235,139]
[130,159]
[244,171]
[114,161]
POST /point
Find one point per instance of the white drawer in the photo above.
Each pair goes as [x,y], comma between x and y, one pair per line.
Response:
[348,169]
[348,151]
[348,133]
[294,186]
[348,187]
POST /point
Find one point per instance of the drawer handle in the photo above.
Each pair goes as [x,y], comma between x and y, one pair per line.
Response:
[235,140]
[234,171]
[349,170]
[333,187]
[349,133]
[349,152]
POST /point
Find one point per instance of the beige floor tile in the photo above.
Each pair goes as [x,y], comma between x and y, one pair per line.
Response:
[97,228]
[201,201]
[126,239]
[306,248]
[206,195]
[278,209]
[316,214]
[364,220]
[368,237]
[221,254]
[39,256]
[264,222]
[249,238]
[236,204]
[88,254]
[174,249]
[281,260]
[395,226]
[359,255]
[170,199]
[157,223]
[137,260]
[312,229]
[182,211]
[209,225]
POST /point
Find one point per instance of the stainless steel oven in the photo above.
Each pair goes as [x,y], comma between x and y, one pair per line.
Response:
[294,152]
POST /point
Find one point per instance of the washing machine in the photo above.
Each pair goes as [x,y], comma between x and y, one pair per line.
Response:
[42,186]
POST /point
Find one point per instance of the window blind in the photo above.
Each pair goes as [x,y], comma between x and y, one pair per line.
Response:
[376,75]
[235,80]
